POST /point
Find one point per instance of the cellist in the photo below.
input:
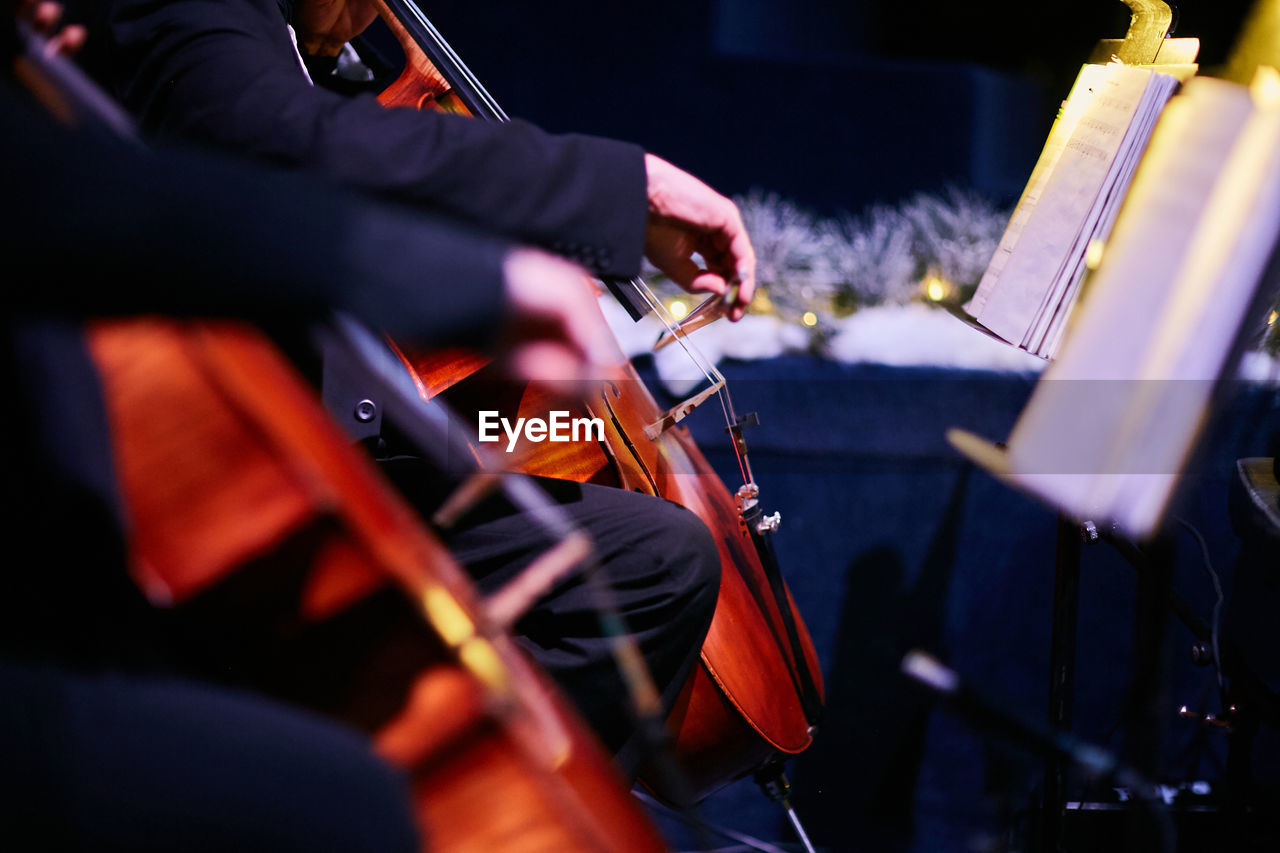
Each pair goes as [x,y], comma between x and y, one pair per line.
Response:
[237,74]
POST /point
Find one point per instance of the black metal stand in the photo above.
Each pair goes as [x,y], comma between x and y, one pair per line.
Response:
[1062,674]
[1147,701]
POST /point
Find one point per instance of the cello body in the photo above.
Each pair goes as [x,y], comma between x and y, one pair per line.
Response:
[756,696]
[292,568]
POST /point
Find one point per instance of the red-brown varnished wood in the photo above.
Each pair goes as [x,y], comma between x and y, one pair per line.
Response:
[420,85]
[229,467]
[440,370]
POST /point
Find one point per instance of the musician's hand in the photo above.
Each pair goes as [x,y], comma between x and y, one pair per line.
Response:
[555,331]
[687,217]
[324,26]
[44,16]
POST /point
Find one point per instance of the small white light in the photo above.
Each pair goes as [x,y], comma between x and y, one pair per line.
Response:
[679,309]
[936,288]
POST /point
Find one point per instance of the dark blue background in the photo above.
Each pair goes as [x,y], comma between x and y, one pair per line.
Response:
[834,105]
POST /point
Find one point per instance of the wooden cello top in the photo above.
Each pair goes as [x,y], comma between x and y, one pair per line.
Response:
[229,466]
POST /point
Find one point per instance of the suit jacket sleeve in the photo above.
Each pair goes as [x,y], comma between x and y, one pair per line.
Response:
[107,228]
[224,72]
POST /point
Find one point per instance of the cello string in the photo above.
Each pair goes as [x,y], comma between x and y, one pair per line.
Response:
[709,371]
[486,103]
[704,365]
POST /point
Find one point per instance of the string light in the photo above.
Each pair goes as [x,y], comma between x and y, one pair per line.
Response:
[809,318]
[936,288]
[679,309]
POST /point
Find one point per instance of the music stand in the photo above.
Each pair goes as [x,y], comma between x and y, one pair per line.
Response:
[1151,552]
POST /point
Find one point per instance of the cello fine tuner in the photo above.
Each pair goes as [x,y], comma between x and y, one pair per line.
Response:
[770,523]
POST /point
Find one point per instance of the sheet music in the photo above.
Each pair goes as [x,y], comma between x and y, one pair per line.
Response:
[1072,198]
[1059,134]
[1049,330]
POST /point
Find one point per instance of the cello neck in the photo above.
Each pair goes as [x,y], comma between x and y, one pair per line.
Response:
[423,44]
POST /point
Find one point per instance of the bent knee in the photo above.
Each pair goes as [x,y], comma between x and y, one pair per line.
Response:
[695,559]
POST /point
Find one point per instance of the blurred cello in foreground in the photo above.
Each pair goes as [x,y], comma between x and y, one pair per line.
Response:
[291,567]
[757,696]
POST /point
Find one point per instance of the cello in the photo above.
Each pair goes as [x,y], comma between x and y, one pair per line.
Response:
[292,568]
[756,697]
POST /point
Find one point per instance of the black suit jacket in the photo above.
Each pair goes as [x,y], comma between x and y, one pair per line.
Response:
[91,227]
[224,72]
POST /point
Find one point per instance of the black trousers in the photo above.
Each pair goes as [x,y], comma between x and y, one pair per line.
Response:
[658,559]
